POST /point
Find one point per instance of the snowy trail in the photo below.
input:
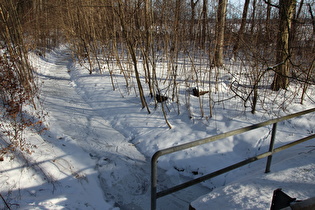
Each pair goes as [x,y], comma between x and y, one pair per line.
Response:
[123,172]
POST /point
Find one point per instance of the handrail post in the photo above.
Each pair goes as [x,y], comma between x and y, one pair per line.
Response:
[272,142]
[153,181]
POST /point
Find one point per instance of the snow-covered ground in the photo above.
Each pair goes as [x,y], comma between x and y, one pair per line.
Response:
[96,153]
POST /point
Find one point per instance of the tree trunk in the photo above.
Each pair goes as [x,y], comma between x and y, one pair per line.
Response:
[192,18]
[204,23]
[242,28]
[281,79]
[253,17]
[268,15]
[312,17]
[148,46]
[220,25]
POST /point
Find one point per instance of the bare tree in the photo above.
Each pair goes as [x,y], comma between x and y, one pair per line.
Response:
[131,43]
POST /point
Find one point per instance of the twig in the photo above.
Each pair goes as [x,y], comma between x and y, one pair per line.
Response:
[5,202]
[273,68]
[270,4]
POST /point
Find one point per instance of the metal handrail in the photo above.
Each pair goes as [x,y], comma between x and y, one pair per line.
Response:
[155,195]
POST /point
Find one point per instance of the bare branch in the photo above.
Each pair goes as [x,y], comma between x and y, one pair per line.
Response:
[269,3]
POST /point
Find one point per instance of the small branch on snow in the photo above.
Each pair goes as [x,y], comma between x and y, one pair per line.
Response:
[7,205]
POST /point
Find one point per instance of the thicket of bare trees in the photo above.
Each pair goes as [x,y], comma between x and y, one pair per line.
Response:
[17,84]
[193,42]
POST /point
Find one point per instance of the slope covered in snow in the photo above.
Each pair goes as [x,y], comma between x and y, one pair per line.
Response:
[96,153]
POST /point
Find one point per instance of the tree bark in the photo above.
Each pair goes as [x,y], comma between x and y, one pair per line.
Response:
[242,27]
[286,12]
[204,23]
[253,17]
[312,17]
[192,18]
[220,25]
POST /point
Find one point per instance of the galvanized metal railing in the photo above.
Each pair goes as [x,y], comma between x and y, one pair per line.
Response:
[155,195]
